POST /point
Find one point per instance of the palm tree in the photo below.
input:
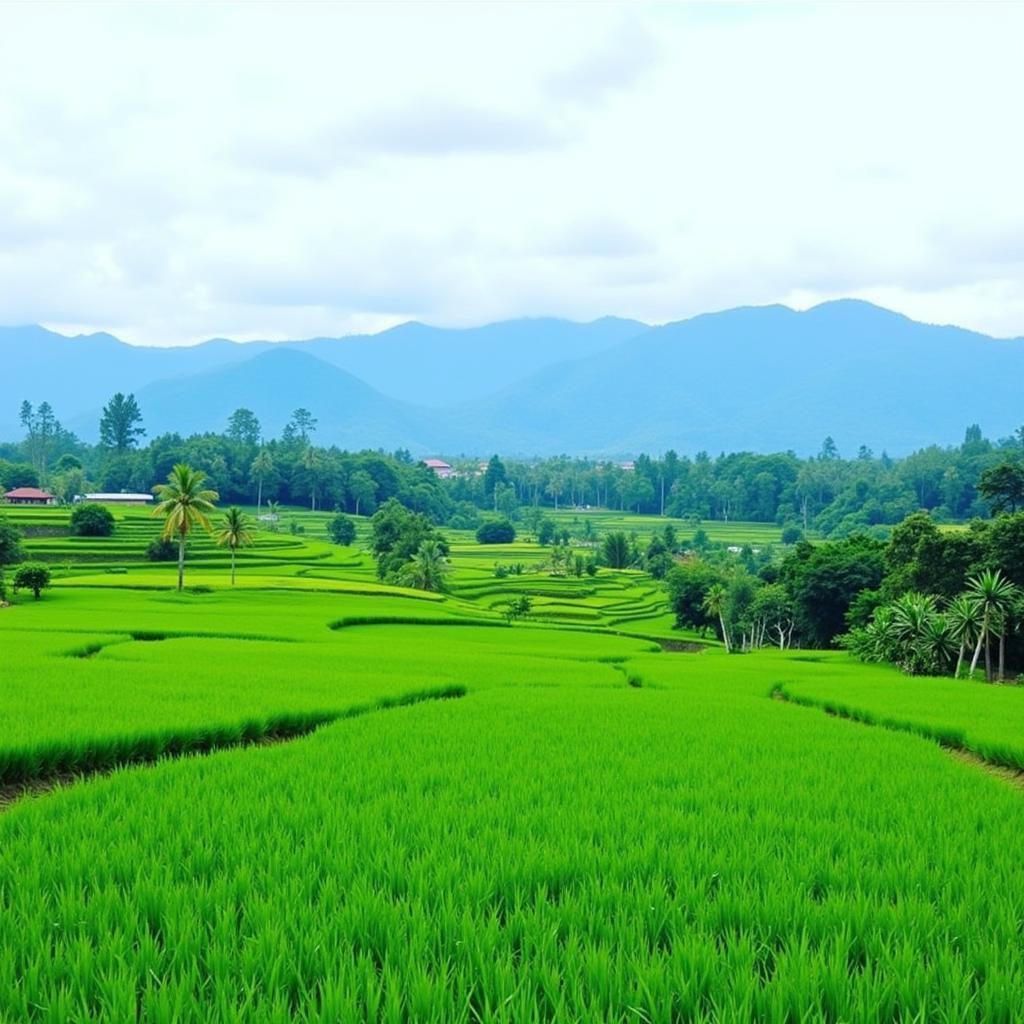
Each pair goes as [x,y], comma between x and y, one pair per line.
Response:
[964,615]
[234,534]
[184,504]
[714,604]
[262,466]
[311,464]
[993,592]
[426,569]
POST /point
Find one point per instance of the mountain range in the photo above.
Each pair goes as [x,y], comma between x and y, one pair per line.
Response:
[765,378]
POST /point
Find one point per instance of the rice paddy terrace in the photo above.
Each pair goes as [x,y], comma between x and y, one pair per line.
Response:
[314,797]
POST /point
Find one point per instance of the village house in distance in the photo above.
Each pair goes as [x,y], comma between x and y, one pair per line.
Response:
[29,496]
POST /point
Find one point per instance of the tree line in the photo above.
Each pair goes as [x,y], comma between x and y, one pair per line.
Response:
[835,496]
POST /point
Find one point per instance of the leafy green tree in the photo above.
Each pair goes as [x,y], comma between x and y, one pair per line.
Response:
[121,424]
[342,530]
[498,531]
[91,520]
[396,535]
[244,428]
[32,576]
[494,475]
[615,550]
[363,489]
[823,580]
[545,533]
[427,568]
[312,465]
[1002,487]
[185,504]
[687,586]
[300,428]
[234,534]
[518,608]
[42,431]
[10,541]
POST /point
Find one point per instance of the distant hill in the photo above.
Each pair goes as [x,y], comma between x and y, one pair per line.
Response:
[755,378]
[766,379]
[430,366]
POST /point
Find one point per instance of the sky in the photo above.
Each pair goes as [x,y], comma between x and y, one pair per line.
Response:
[174,172]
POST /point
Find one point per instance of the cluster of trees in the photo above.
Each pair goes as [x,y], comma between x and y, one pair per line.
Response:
[834,495]
[240,464]
[925,599]
[828,493]
[924,637]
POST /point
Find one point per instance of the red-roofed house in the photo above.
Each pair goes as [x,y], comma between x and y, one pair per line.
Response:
[29,496]
[439,468]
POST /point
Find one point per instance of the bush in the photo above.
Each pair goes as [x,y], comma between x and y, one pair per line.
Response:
[342,530]
[161,549]
[498,531]
[792,534]
[91,520]
[545,533]
[32,576]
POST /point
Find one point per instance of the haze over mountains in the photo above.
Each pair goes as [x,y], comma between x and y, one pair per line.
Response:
[754,378]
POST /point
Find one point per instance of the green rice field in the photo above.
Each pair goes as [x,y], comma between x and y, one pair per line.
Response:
[314,797]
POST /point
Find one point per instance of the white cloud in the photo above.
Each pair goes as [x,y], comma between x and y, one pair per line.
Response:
[172,172]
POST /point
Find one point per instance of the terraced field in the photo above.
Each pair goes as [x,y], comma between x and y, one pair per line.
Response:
[464,820]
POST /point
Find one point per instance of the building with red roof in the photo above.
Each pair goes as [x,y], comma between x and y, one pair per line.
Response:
[29,496]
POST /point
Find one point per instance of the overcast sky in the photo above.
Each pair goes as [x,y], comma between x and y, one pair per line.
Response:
[176,172]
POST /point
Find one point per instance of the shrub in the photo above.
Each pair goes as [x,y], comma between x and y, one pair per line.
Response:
[498,531]
[342,530]
[545,533]
[161,549]
[792,534]
[91,520]
[32,576]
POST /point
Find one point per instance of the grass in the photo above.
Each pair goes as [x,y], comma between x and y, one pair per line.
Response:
[599,830]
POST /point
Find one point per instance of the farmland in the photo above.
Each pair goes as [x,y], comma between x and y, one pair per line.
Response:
[388,805]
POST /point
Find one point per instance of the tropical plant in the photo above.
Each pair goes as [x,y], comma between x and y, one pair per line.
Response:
[993,592]
[427,568]
[965,620]
[714,605]
[234,534]
[184,504]
[262,466]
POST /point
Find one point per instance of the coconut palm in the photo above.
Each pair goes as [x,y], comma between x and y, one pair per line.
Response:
[234,534]
[262,466]
[311,463]
[993,593]
[714,604]
[426,570]
[965,617]
[184,504]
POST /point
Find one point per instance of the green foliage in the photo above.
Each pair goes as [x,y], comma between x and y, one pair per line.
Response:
[1002,487]
[162,549]
[615,550]
[121,424]
[10,541]
[91,520]
[496,531]
[545,532]
[824,581]
[687,586]
[32,576]
[792,534]
[341,529]
[396,535]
